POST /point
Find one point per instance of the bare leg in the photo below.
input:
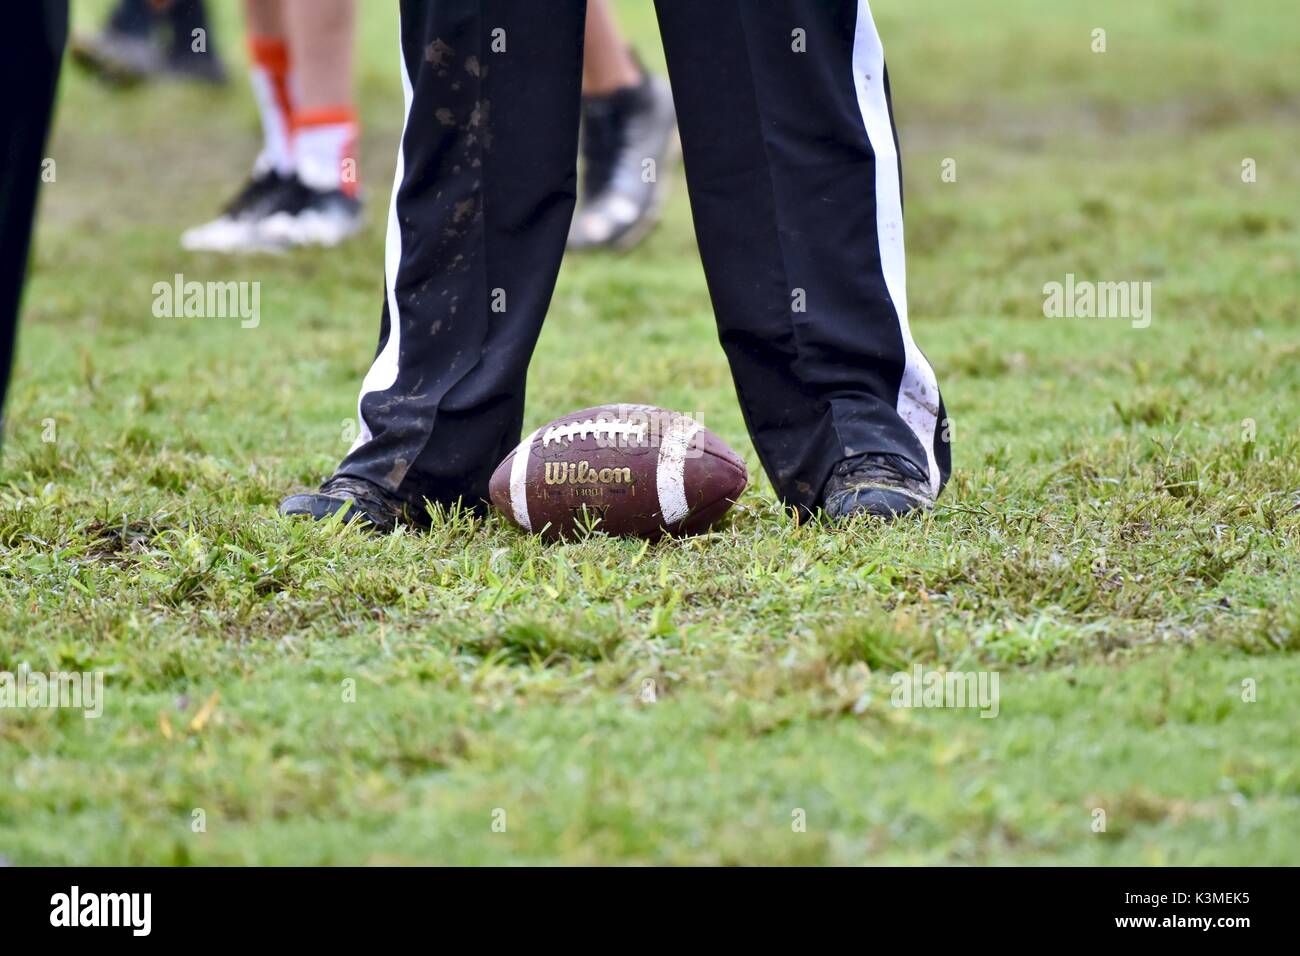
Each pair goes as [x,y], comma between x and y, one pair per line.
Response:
[265,18]
[607,63]
[320,34]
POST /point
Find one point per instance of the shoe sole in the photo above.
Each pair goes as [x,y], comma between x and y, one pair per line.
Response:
[274,230]
[883,504]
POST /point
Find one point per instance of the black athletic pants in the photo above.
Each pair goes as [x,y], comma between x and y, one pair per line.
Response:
[31,50]
[792,165]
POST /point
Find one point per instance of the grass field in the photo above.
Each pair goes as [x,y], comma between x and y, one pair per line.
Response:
[1119,541]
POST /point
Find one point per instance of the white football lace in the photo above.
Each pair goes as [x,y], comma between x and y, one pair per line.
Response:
[586,429]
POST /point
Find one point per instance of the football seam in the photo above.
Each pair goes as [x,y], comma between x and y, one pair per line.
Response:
[738,463]
[742,471]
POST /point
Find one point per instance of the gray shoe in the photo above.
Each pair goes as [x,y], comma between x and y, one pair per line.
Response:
[368,503]
[883,486]
[119,58]
[622,193]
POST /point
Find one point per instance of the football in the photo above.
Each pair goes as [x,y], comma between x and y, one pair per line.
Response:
[622,469]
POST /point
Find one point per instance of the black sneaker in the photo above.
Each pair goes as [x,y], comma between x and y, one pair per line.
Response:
[304,216]
[367,502]
[884,486]
[619,133]
[235,230]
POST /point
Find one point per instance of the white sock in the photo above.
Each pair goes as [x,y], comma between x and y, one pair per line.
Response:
[325,149]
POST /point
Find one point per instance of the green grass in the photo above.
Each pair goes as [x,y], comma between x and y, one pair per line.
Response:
[1110,544]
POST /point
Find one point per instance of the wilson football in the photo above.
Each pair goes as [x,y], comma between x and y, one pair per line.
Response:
[622,469]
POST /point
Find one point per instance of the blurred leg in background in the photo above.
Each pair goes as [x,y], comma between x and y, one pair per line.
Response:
[323,205]
[149,39]
[629,136]
[31,51]
[305,185]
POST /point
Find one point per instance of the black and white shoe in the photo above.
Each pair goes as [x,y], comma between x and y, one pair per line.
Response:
[304,216]
[883,486]
[236,229]
[628,138]
[366,502]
